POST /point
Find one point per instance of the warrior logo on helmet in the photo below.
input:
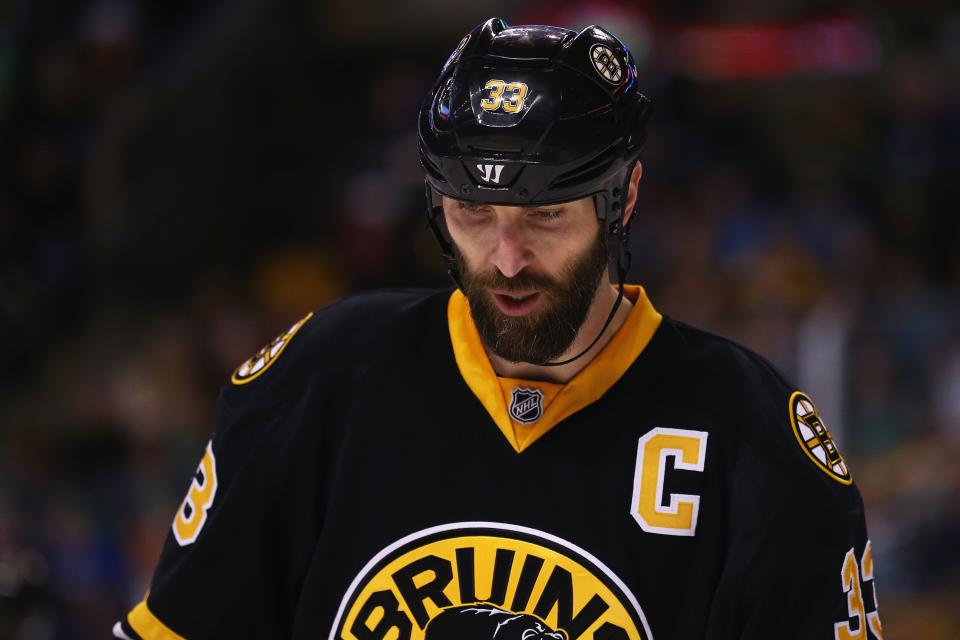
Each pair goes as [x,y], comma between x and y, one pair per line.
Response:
[490,581]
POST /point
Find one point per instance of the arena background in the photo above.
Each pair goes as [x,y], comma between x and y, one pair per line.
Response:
[182,180]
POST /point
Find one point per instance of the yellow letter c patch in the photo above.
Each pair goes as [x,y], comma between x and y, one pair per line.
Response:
[689,450]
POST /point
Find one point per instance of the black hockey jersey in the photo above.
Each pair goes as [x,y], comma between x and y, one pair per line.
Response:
[371,477]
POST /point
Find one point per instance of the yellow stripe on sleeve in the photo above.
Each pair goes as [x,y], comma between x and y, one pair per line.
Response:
[148,626]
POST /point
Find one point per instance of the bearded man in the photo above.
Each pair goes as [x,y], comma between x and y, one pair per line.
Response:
[538,447]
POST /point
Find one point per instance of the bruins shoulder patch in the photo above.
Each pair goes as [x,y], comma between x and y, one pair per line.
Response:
[487,580]
[263,359]
[814,438]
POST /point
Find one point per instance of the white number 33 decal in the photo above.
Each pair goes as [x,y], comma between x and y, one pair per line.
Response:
[850,577]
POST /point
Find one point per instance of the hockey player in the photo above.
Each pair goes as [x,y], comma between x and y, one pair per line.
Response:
[537,453]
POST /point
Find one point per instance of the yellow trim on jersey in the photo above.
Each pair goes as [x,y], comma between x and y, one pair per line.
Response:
[585,388]
[148,626]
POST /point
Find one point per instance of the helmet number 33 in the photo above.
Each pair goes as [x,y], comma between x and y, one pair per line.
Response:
[508,96]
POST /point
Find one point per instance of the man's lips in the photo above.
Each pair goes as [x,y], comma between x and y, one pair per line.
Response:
[516,303]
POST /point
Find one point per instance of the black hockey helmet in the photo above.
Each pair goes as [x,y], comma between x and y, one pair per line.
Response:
[533,115]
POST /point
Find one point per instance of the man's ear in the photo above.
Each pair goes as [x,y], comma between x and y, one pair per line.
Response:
[632,193]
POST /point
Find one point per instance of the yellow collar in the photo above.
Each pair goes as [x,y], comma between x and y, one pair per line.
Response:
[558,401]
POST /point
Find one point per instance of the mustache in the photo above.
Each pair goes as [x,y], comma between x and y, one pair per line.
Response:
[523,281]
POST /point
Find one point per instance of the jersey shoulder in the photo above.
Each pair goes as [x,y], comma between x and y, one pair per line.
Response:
[354,333]
[720,364]
[766,417]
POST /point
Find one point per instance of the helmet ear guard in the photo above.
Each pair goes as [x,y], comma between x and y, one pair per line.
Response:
[610,210]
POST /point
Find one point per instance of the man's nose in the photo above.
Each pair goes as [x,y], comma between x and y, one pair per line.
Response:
[511,254]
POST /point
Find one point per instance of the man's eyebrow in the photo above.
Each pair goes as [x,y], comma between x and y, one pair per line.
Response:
[525,207]
[530,207]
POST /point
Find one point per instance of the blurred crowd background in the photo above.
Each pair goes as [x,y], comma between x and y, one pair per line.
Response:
[180,181]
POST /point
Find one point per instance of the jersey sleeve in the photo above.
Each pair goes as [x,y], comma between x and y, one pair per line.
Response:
[243,535]
[798,568]
[799,561]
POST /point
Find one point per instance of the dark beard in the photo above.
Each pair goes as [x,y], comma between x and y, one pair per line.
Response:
[544,334]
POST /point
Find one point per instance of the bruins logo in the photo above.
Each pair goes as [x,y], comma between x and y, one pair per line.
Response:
[606,63]
[260,362]
[486,580]
[814,438]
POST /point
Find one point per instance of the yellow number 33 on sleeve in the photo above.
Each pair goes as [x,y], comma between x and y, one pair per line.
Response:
[503,95]
[192,514]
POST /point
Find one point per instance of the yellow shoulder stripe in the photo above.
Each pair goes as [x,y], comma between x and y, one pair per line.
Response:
[585,388]
[148,626]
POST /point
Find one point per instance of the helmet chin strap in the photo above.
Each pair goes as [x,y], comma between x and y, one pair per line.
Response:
[613,312]
[619,261]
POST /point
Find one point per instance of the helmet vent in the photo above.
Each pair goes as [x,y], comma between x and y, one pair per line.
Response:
[493,149]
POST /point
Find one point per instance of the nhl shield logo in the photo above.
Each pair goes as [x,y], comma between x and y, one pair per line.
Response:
[526,405]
